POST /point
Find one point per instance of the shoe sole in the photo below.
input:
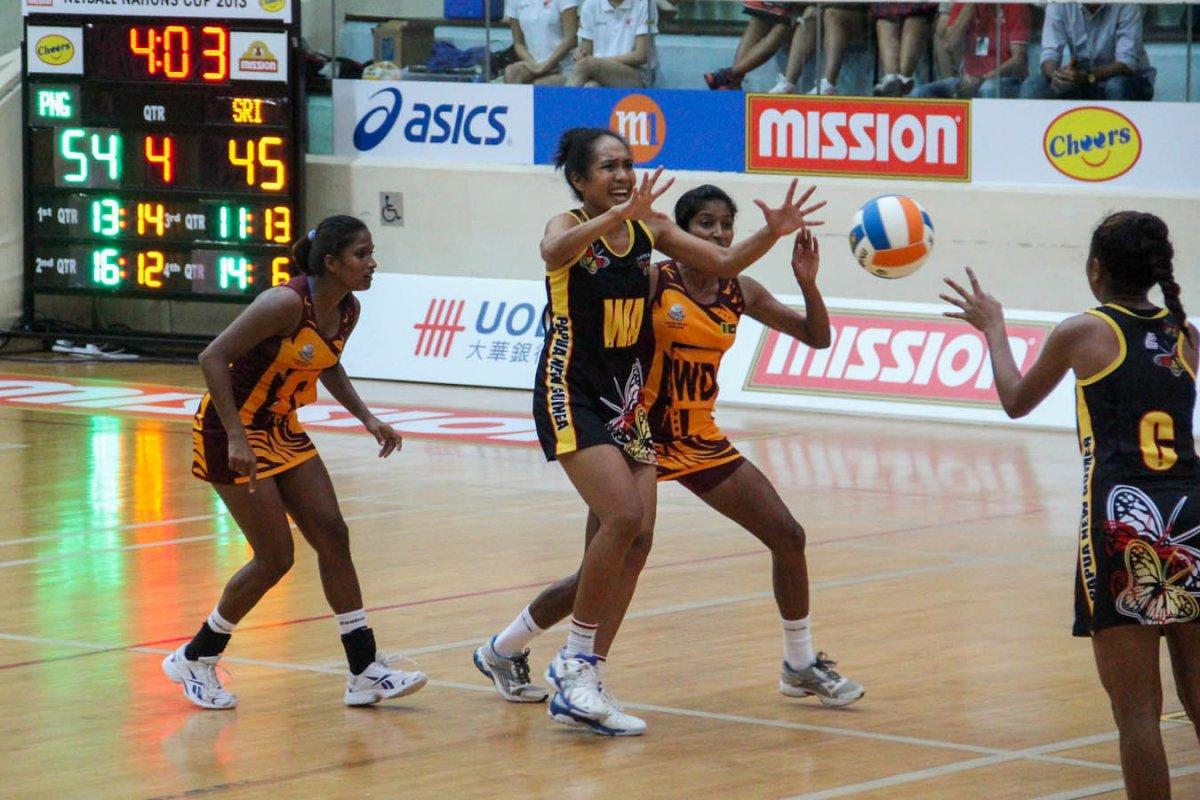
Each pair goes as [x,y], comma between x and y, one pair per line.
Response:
[168,668]
[831,702]
[371,697]
[512,698]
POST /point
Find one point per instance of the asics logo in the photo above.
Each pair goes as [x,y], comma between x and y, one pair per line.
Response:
[453,123]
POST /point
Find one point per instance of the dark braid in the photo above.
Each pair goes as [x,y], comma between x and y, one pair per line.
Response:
[1134,249]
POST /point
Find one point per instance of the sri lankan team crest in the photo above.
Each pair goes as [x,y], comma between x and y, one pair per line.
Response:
[1160,582]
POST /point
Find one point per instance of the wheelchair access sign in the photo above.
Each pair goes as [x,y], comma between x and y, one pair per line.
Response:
[391,209]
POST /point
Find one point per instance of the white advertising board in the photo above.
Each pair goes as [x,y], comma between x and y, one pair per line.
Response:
[887,359]
[474,123]
[1120,145]
[890,359]
[438,329]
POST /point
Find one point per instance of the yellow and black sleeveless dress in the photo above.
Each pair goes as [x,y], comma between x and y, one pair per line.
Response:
[689,340]
[1139,535]
[270,382]
[598,345]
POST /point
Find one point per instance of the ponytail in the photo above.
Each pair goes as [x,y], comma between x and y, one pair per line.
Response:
[331,236]
[576,147]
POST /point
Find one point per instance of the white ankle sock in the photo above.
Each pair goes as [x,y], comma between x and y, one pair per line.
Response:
[351,621]
[219,624]
[581,640]
[797,643]
[516,637]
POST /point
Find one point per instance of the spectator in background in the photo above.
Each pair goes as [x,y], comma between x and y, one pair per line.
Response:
[804,45]
[544,34]
[945,60]
[1107,58]
[770,25]
[841,23]
[972,31]
[902,31]
[616,44]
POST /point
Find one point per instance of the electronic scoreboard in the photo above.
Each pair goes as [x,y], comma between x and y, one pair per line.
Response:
[163,147]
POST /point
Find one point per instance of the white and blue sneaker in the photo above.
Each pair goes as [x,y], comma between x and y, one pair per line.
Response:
[577,691]
[379,682]
[510,676]
[820,679]
[199,678]
[577,697]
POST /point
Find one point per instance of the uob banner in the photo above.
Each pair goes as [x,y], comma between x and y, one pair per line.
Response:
[434,121]
[449,329]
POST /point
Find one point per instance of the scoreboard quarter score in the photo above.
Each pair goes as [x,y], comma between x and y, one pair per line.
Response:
[161,145]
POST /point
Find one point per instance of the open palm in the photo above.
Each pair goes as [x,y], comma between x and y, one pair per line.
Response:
[792,215]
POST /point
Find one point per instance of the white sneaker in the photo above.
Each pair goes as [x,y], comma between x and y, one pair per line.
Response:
[510,676]
[820,679]
[379,682]
[892,85]
[618,723]
[824,87]
[578,697]
[782,86]
[199,678]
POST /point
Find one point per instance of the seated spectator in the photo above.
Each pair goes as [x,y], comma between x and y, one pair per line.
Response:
[616,44]
[902,31]
[1107,58]
[972,30]
[770,25]
[802,48]
[945,60]
[841,23]
[543,34]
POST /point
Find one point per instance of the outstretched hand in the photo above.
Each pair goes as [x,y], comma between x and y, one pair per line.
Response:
[640,204]
[791,216]
[978,308]
[806,258]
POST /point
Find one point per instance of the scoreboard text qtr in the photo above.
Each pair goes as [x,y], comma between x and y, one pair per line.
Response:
[161,155]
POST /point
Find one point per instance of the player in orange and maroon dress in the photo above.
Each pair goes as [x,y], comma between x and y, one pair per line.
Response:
[694,317]
[249,444]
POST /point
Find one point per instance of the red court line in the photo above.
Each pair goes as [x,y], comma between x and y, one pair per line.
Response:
[516,587]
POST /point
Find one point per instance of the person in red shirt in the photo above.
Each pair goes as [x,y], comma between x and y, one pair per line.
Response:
[972,31]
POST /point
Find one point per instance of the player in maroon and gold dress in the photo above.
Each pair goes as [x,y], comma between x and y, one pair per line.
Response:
[249,444]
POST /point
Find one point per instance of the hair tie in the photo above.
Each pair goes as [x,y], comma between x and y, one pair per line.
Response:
[312,234]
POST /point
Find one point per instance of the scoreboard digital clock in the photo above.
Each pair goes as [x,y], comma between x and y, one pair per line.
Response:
[162,147]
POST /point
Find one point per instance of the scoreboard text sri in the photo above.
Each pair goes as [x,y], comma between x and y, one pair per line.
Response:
[162,157]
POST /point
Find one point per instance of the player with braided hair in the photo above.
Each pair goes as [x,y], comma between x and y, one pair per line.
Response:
[1138,572]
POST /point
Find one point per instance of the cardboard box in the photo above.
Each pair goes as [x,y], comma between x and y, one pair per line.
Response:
[403,42]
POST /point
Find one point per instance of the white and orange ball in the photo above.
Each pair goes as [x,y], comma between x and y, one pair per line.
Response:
[891,236]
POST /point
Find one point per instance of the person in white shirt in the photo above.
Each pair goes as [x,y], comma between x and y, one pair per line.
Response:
[544,33]
[616,44]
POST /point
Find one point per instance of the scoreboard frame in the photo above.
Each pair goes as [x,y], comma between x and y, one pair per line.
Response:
[117,206]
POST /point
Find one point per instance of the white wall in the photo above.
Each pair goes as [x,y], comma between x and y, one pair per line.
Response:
[1028,245]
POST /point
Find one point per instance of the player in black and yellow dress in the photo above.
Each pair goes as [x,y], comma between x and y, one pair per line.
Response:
[587,395]
[695,319]
[1138,568]
[249,444]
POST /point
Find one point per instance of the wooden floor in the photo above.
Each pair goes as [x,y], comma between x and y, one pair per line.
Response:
[941,558]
